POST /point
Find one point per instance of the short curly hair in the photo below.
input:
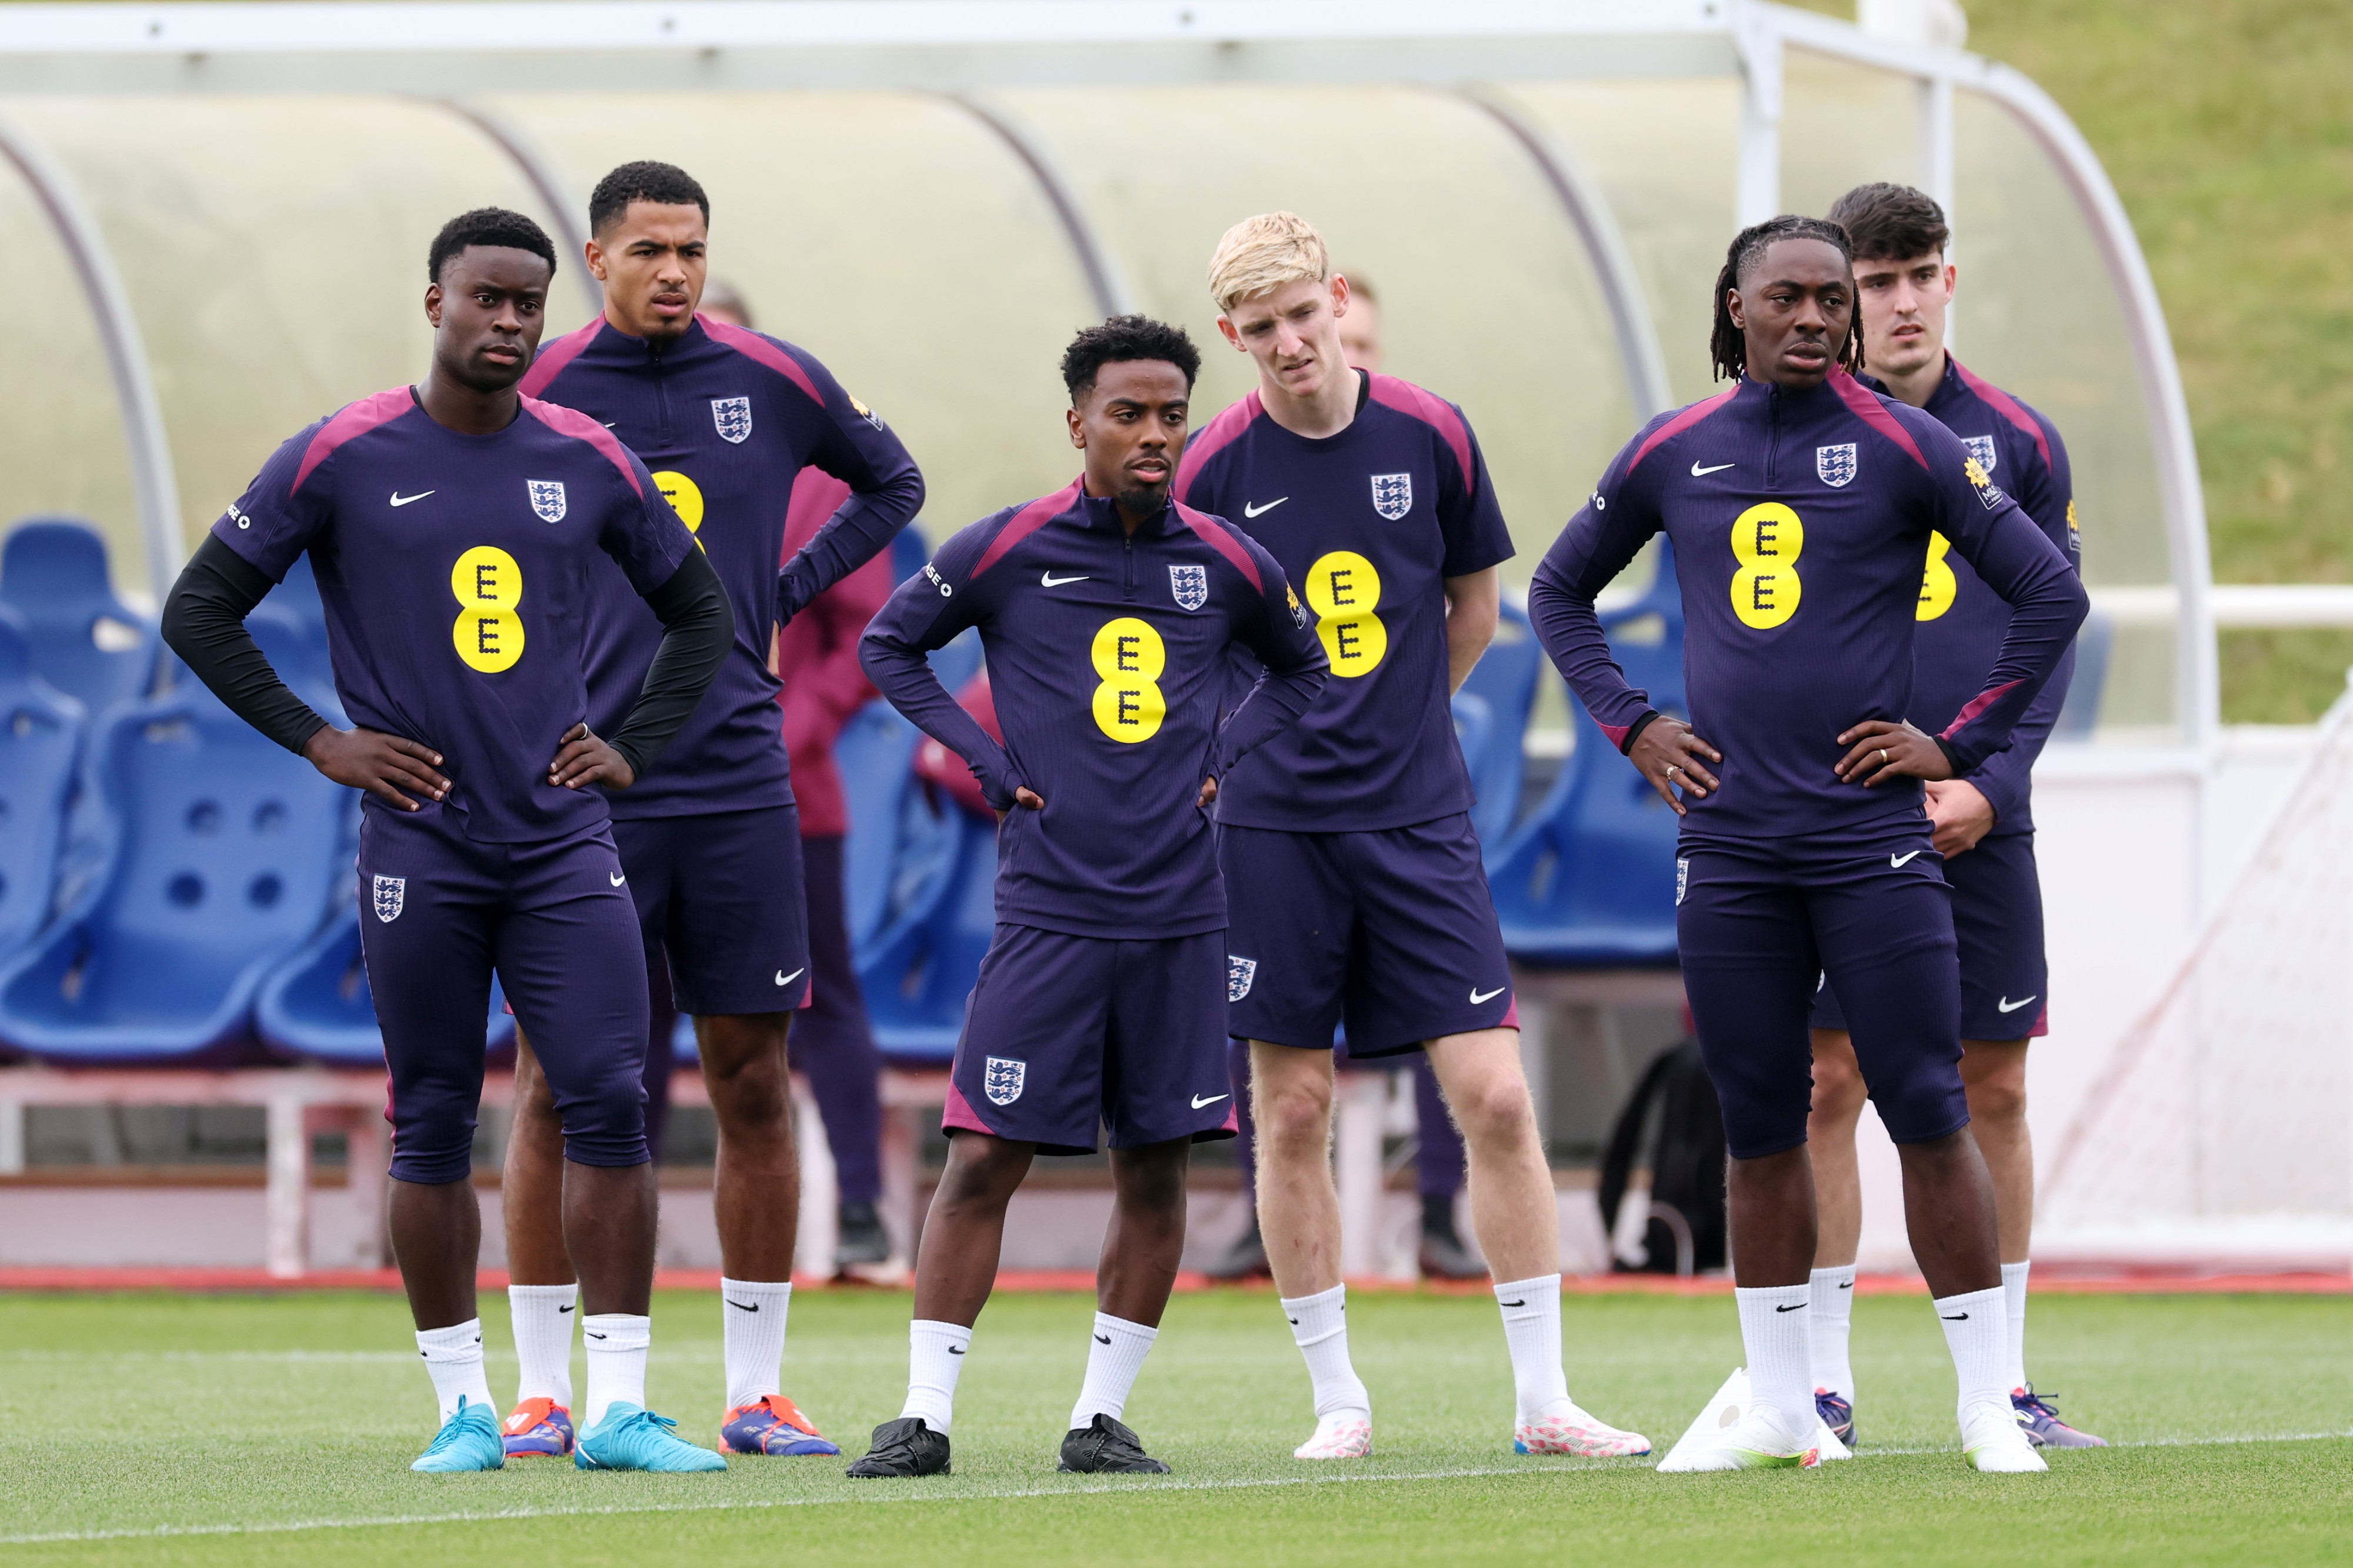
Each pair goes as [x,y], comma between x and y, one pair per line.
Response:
[1121,339]
[664,184]
[494,227]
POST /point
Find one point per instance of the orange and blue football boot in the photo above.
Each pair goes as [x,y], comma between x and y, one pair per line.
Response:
[773,1426]
[538,1429]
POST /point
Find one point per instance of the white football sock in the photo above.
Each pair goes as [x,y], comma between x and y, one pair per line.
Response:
[2013,1290]
[1830,1321]
[1976,1329]
[1114,1355]
[755,1337]
[1774,1332]
[453,1359]
[1319,1325]
[935,1353]
[543,1317]
[1531,1332]
[616,1344]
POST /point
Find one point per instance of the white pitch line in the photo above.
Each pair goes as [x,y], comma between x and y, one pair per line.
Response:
[291,1526]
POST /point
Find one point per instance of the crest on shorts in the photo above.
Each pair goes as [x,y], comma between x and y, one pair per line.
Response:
[1393,495]
[1982,448]
[391,896]
[547,499]
[1190,584]
[732,416]
[1682,878]
[1001,1080]
[1836,465]
[1239,973]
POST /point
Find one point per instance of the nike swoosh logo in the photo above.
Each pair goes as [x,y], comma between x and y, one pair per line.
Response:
[591,1334]
[1198,1102]
[1294,1321]
[617,882]
[2007,1005]
[1799,1308]
[743,1307]
[1521,1302]
[399,500]
[1700,473]
[1102,1339]
[1900,861]
[1846,1284]
[1048,580]
[560,1310]
[952,1351]
[1250,511]
[1953,1316]
[785,979]
[1476,998]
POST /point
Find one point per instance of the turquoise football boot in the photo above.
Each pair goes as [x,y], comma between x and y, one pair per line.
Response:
[469,1440]
[629,1439]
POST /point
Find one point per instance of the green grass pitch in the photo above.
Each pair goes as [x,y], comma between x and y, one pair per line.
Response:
[268,1430]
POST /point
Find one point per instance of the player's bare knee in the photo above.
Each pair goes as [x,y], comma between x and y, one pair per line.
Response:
[1150,1180]
[1293,1113]
[1495,1113]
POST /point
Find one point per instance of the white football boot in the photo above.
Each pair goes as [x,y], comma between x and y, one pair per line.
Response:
[1569,1429]
[1755,1438]
[1342,1435]
[1993,1441]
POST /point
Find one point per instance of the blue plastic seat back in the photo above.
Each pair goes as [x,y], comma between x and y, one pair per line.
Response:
[40,746]
[1589,879]
[922,970]
[225,856]
[908,553]
[900,839]
[85,642]
[1490,720]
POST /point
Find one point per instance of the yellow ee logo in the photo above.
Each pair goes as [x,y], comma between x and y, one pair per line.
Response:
[685,498]
[1766,541]
[488,585]
[1129,657]
[1938,586]
[1344,589]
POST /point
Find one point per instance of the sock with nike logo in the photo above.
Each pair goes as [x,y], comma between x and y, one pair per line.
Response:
[543,1316]
[1319,1326]
[1780,1357]
[616,1344]
[935,1353]
[1114,1355]
[1532,1333]
[453,1359]
[754,1332]
[1831,1322]
[1976,1330]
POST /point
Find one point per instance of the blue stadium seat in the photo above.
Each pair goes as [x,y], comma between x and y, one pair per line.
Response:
[223,851]
[40,746]
[1490,720]
[908,553]
[316,1004]
[85,642]
[922,966]
[1589,880]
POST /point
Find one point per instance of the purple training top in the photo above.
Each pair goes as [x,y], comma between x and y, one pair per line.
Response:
[1107,658]
[457,572]
[1799,520]
[1961,619]
[1369,523]
[725,418]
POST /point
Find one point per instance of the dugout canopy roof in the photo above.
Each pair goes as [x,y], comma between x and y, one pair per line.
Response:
[220,214]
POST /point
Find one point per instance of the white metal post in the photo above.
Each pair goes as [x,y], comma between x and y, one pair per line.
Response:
[288,1196]
[1359,1101]
[814,1246]
[1759,189]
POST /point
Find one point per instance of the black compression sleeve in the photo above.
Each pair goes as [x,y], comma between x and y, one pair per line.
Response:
[204,621]
[697,628]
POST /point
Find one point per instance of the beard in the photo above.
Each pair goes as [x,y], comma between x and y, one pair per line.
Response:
[1142,500]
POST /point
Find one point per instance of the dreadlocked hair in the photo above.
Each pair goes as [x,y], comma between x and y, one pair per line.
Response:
[1726,345]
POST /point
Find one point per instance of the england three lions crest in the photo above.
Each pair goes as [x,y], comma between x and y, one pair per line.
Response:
[1239,973]
[547,499]
[1982,448]
[1393,495]
[1836,465]
[1190,584]
[391,897]
[1001,1080]
[732,416]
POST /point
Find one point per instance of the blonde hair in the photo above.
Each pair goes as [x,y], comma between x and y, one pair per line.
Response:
[1266,252]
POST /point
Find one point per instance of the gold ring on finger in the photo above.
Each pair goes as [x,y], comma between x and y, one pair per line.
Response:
[1882,756]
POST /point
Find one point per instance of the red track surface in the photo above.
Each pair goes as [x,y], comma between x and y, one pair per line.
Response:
[255,1280]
